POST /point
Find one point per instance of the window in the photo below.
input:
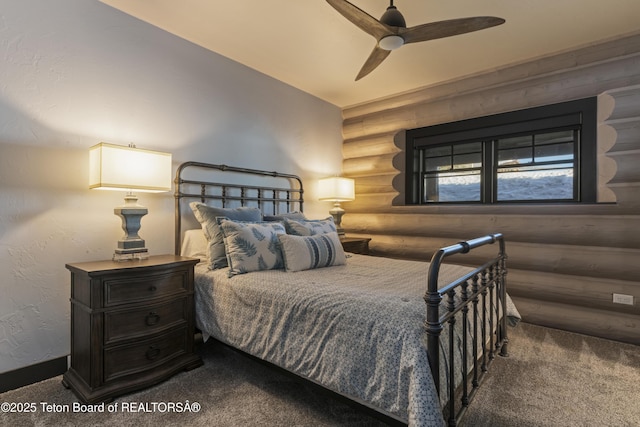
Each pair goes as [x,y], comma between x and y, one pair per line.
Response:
[545,154]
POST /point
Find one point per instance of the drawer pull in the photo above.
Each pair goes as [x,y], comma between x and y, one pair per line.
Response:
[153,288]
[152,318]
[153,353]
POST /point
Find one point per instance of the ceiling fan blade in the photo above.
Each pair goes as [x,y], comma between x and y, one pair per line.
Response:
[375,58]
[361,19]
[452,27]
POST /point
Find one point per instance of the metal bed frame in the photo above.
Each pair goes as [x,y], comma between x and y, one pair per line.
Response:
[484,286]
[291,196]
[479,295]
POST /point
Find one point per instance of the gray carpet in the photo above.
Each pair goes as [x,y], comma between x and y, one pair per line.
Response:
[552,378]
[555,378]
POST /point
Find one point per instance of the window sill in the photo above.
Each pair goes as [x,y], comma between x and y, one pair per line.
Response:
[513,209]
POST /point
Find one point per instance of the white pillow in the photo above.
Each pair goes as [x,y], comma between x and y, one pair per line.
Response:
[194,244]
[307,252]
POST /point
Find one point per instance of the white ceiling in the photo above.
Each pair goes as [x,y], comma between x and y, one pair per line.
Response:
[309,45]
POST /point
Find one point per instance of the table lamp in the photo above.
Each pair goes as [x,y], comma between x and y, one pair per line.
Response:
[337,189]
[116,167]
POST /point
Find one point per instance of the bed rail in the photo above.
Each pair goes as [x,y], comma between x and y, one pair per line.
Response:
[481,294]
[288,193]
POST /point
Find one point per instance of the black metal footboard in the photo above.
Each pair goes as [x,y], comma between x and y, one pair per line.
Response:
[467,316]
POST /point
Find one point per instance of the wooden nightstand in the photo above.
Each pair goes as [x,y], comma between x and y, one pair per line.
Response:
[356,245]
[132,325]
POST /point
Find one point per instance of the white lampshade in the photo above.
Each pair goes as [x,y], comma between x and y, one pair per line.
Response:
[116,167]
[337,189]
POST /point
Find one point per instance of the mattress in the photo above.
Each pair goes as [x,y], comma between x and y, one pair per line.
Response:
[356,329]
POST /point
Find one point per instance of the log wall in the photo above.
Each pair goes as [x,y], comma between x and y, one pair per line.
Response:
[565,261]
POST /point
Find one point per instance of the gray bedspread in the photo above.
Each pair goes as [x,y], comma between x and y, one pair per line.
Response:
[356,329]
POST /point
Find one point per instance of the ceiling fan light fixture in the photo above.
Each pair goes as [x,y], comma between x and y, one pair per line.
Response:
[391,42]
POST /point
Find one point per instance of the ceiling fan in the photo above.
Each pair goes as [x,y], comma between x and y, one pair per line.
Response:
[391,30]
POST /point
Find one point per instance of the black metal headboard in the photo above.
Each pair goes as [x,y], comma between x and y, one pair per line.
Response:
[273,193]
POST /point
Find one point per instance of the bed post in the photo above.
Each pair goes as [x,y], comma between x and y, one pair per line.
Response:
[177,231]
[434,327]
[502,281]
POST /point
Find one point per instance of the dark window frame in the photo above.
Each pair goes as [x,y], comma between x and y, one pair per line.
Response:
[580,114]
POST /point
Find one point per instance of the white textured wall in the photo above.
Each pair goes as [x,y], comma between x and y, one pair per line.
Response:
[77,72]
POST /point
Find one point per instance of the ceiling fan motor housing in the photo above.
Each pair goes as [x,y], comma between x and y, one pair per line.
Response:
[393,18]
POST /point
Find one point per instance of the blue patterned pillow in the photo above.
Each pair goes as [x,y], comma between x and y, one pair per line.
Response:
[309,227]
[307,252]
[207,216]
[252,246]
[280,217]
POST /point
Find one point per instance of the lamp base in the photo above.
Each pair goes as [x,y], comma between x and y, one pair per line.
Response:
[337,213]
[119,256]
[131,246]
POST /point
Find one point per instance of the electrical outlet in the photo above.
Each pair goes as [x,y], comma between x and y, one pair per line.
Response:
[623,299]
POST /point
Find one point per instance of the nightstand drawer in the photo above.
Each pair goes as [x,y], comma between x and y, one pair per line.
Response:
[119,325]
[356,245]
[125,360]
[143,288]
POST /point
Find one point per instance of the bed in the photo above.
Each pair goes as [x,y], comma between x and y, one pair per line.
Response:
[411,340]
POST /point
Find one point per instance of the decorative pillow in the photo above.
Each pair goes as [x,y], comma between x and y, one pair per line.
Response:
[194,244]
[307,252]
[207,215]
[280,217]
[252,246]
[309,227]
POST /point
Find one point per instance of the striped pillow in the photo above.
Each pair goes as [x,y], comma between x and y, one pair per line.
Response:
[308,252]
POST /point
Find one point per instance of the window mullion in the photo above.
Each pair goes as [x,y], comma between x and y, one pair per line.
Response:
[488,172]
[577,166]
